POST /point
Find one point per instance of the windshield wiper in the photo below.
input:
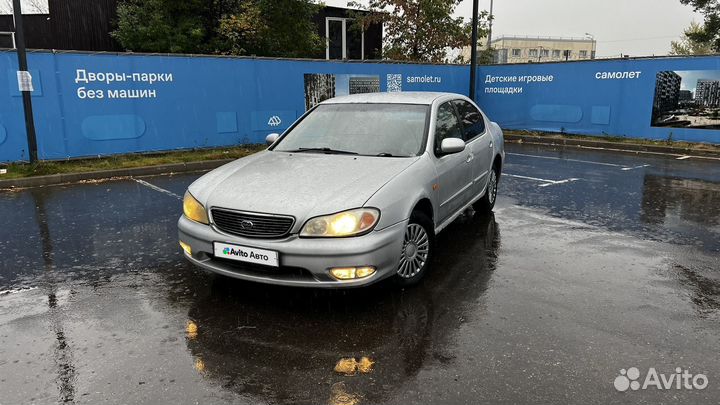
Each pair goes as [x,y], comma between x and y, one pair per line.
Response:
[325,150]
[387,154]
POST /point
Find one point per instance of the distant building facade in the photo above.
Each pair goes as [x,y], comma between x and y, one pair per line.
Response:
[707,93]
[685,95]
[519,49]
[667,92]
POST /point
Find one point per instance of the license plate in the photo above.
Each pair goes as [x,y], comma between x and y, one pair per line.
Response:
[246,254]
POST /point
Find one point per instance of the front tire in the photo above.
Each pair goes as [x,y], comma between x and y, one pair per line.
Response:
[417,250]
[486,204]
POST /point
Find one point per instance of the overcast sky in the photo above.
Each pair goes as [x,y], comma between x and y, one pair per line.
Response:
[634,27]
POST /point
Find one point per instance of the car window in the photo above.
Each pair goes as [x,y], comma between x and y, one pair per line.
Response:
[472,119]
[446,126]
[370,129]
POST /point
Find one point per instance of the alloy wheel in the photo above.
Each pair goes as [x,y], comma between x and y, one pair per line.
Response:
[416,248]
[492,187]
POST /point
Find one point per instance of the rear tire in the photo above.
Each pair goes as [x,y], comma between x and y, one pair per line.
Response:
[486,204]
[417,250]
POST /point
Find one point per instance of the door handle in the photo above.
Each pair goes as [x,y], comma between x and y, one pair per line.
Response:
[469,159]
[490,144]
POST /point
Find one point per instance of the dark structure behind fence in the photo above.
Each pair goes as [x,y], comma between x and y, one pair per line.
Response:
[85,25]
[71,25]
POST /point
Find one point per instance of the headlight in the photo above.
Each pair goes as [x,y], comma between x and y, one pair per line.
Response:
[194,210]
[346,223]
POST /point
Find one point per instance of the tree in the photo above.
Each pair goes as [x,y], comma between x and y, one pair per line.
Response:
[710,32]
[417,30]
[687,45]
[163,26]
[281,28]
[236,27]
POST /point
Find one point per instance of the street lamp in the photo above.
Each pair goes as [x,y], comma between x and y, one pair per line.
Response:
[23,75]
[490,24]
[473,50]
[592,38]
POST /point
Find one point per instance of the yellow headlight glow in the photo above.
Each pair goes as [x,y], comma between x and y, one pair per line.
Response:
[194,210]
[346,223]
[352,273]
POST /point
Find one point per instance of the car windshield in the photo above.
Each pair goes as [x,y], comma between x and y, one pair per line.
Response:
[392,130]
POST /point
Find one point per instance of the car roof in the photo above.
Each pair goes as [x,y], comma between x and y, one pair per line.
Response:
[406,97]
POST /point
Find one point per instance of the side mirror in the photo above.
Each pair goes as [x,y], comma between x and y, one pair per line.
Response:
[452,145]
[270,139]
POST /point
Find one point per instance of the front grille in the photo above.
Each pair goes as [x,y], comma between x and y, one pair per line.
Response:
[252,225]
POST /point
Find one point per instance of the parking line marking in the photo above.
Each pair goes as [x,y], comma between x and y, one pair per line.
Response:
[17,290]
[559,182]
[684,157]
[633,168]
[156,188]
[517,176]
[568,160]
[545,181]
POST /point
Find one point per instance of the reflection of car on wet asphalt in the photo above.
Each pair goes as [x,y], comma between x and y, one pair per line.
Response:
[352,193]
[297,357]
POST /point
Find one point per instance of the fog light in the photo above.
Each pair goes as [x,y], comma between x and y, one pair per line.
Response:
[186,248]
[350,273]
[362,272]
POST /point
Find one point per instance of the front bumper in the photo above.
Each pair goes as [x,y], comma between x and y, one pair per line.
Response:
[304,262]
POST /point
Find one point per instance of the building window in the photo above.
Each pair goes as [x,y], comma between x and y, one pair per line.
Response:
[516,53]
[545,53]
[583,54]
[556,53]
[7,40]
[342,40]
[567,54]
[533,53]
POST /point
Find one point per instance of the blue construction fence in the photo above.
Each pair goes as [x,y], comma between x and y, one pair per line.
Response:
[654,98]
[102,104]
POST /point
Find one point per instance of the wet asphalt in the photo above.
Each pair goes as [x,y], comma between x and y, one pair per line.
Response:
[593,262]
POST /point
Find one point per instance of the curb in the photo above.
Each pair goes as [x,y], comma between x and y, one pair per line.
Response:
[64,178]
[614,146]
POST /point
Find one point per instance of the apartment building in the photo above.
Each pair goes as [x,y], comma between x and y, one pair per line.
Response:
[524,49]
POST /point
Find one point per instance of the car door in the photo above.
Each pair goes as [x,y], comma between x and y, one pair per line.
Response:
[454,172]
[479,143]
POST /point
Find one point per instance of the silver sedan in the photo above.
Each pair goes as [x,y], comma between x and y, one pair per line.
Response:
[352,193]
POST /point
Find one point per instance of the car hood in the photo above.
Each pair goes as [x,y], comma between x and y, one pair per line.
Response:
[303,185]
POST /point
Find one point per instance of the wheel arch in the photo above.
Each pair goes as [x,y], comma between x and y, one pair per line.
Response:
[498,162]
[425,206]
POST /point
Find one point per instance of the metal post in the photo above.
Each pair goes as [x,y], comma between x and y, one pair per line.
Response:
[26,96]
[473,49]
[490,24]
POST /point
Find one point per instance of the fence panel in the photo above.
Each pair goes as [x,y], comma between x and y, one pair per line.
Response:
[101,104]
[658,98]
